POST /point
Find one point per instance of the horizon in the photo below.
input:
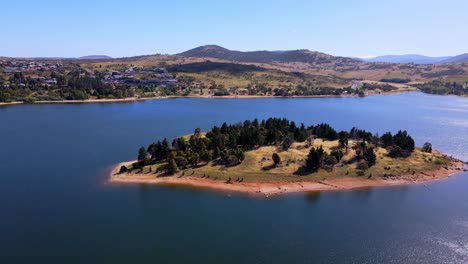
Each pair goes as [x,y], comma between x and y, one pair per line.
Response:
[358,57]
[361,29]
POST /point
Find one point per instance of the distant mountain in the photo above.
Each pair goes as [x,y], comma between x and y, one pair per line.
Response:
[410,58]
[459,58]
[94,57]
[89,57]
[307,56]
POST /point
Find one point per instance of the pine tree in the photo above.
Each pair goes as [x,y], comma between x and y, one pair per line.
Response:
[172,167]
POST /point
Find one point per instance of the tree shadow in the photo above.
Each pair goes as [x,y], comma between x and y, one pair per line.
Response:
[269,167]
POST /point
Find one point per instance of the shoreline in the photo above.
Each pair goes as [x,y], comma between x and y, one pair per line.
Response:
[135,99]
[281,187]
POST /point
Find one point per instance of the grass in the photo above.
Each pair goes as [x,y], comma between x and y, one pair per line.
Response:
[258,165]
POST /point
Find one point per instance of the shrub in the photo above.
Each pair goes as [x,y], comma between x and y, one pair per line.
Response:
[338,154]
[360,172]
[276,158]
[330,160]
[123,169]
[427,147]
[362,166]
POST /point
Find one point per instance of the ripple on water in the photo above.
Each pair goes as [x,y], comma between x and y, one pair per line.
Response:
[457,244]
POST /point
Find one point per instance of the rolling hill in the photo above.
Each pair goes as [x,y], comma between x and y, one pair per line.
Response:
[305,56]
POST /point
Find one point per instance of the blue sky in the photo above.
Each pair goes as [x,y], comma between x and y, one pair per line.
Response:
[127,28]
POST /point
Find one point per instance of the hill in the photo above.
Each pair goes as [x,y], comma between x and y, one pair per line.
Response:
[94,57]
[264,56]
[459,58]
[409,58]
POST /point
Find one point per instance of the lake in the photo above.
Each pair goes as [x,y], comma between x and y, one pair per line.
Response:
[57,207]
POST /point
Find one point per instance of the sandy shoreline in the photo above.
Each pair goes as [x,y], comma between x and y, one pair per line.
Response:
[134,99]
[276,188]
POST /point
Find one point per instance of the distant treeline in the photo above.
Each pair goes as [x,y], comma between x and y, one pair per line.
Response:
[226,145]
[439,87]
[198,67]
[375,86]
[395,80]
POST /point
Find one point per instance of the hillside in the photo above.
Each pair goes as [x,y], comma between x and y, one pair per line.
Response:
[304,56]
[216,71]
[459,58]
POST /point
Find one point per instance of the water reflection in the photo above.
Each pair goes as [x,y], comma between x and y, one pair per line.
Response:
[312,197]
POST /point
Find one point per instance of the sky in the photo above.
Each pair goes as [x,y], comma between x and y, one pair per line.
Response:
[353,28]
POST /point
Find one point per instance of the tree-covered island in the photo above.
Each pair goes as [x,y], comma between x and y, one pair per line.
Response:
[277,155]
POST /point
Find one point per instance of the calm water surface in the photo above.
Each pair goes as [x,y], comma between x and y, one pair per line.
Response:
[56,207]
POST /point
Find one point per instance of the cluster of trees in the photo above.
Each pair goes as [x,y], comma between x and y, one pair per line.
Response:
[374,86]
[438,87]
[399,145]
[395,80]
[310,91]
[199,67]
[226,145]
[319,158]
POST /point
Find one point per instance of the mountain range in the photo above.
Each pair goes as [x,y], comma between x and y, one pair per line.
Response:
[88,57]
[291,56]
[418,59]
[307,56]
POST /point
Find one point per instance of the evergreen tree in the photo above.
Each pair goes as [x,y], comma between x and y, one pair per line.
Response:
[369,156]
[314,159]
[276,159]
[142,154]
[172,167]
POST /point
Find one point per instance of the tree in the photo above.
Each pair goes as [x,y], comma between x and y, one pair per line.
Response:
[338,154]
[314,159]
[181,161]
[427,147]
[404,141]
[276,159]
[142,154]
[207,156]
[343,138]
[287,142]
[387,139]
[172,167]
[165,148]
[369,156]
[195,159]
[123,169]
[326,131]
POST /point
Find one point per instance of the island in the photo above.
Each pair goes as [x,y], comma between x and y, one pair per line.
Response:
[276,156]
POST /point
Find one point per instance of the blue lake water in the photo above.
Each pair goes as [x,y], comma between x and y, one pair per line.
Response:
[56,206]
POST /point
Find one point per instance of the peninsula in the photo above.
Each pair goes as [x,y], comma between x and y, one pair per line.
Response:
[277,156]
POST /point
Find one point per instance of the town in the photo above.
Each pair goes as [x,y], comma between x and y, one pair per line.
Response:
[56,80]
